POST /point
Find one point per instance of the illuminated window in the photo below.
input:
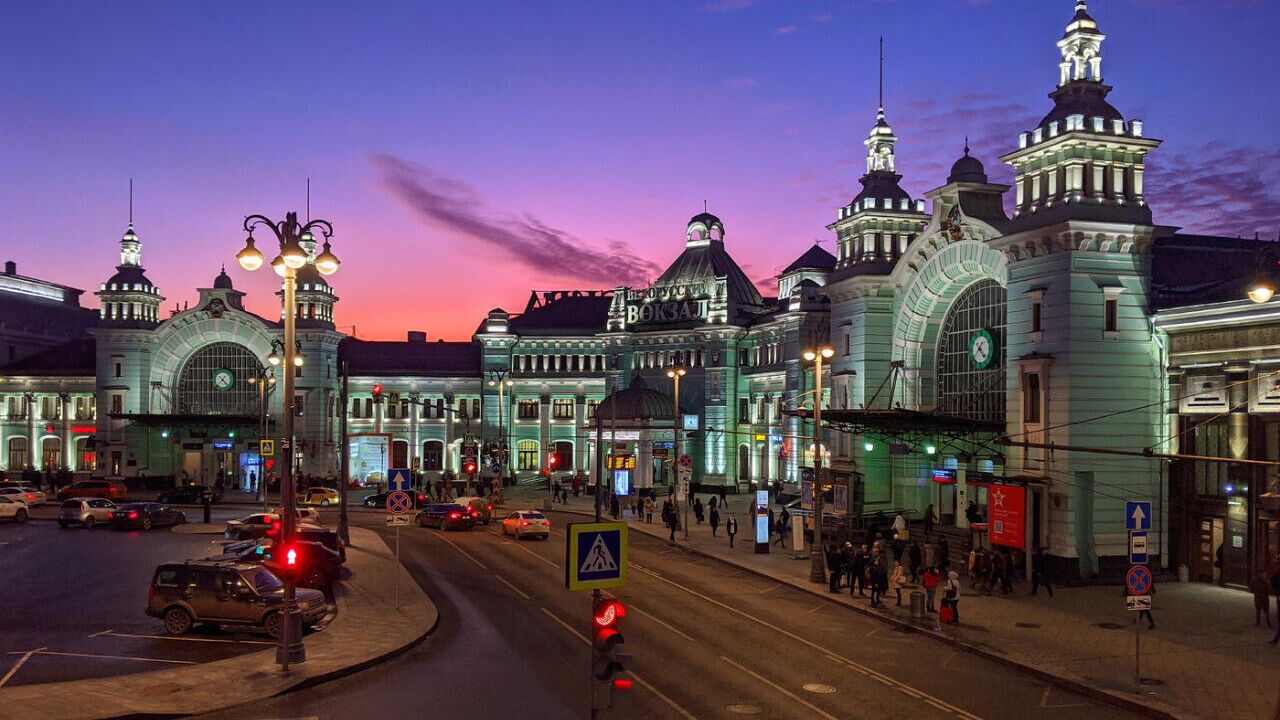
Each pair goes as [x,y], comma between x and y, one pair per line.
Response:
[562,408]
[527,455]
[972,385]
[17,453]
[528,409]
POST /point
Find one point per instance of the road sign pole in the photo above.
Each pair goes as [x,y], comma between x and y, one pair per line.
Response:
[1137,659]
[398,567]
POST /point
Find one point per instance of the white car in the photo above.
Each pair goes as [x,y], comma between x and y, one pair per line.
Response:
[530,523]
[24,494]
[306,515]
[85,512]
[12,510]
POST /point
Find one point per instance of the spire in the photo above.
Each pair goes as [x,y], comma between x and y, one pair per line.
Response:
[881,73]
[130,245]
[1081,48]
[881,140]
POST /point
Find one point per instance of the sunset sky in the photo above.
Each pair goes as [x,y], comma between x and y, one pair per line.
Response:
[469,152]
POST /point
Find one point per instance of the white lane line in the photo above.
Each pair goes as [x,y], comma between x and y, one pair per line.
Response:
[115,657]
[771,588]
[664,624]
[113,633]
[639,680]
[519,592]
[465,554]
[516,544]
[862,669]
[780,689]
[21,661]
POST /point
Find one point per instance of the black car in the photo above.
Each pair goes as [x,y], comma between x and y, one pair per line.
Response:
[321,565]
[380,500]
[323,536]
[145,516]
[189,495]
[446,516]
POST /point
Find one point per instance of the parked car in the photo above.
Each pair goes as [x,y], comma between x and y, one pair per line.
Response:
[380,500]
[445,516]
[322,496]
[250,527]
[13,510]
[26,496]
[305,514]
[95,488]
[224,593]
[145,516]
[481,509]
[85,511]
[324,536]
[526,523]
[189,495]
[321,566]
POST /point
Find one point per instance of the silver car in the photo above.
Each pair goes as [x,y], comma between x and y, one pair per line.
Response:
[85,511]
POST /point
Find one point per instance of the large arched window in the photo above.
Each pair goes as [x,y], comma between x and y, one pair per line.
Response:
[971,354]
[527,455]
[219,379]
[432,455]
[50,453]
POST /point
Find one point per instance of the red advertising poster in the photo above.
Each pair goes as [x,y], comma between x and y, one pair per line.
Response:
[1008,509]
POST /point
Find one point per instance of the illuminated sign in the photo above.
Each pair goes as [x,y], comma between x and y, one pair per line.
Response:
[224,444]
[762,517]
[622,462]
[668,303]
[947,477]
[690,422]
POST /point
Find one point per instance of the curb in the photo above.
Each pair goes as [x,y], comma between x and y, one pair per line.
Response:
[1109,697]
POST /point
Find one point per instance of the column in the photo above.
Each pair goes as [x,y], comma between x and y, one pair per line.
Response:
[581,437]
[448,431]
[68,445]
[415,443]
[643,475]
[544,427]
[962,496]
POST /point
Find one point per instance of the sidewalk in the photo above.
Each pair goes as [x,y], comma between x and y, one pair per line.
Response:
[368,628]
[1205,659]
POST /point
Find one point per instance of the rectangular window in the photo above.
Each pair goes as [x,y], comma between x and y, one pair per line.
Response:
[368,407]
[119,369]
[1031,399]
[299,403]
[404,408]
[744,410]
[562,408]
[475,407]
[462,409]
[1035,317]
[117,403]
[392,409]
[528,410]
[591,408]
[1113,315]
[439,407]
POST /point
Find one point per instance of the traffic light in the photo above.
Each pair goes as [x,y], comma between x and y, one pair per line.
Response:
[606,662]
[284,561]
[551,462]
[377,392]
[469,467]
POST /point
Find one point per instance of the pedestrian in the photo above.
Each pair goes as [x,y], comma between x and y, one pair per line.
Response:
[1261,599]
[697,509]
[914,557]
[770,527]
[999,572]
[930,582]
[834,567]
[648,510]
[849,561]
[930,553]
[714,517]
[951,596]
[724,500]
[711,501]
[614,506]
[671,517]
[783,518]
[632,505]
[872,575]
[898,580]
[731,528]
[1040,573]
[899,524]
[929,520]
[577,488]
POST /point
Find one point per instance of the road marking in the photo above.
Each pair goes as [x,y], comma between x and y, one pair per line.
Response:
[516,543]
[780,689]
[814,610]
[519,592]
[640,681]
[113,633]
[465,554]
[21,661]
[771,588]
[42,651]
[863,669]
[1044,701]
[664,624]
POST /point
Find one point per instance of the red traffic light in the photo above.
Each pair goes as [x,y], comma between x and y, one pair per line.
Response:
[608,613]
[377,391]
[551,461]
[469,467]
[291,557]
[274,530]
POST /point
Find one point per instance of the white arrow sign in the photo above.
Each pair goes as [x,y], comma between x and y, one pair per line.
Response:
[1137,515]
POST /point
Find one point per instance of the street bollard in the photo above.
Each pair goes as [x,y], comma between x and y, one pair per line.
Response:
[917,605]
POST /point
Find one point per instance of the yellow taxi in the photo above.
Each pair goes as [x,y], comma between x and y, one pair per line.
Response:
[322,496]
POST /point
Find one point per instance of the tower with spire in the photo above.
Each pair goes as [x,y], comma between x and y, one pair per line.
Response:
[128,298]
[874,229]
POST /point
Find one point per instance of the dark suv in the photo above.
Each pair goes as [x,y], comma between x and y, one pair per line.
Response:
[224,593]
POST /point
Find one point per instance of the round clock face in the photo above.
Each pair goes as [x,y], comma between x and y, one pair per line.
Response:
[982,349]
[224,379]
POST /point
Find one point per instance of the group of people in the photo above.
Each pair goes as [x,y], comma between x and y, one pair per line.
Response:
[880,567]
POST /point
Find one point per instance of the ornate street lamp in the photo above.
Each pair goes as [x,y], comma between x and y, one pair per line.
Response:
[676,372]
[289,236]
[817,565]
[501,379]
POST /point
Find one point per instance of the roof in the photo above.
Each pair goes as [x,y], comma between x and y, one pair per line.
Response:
[223,281]
[75,358]
[705,263]
[44,318]
[127,276]
[1081,97]
[881,185]
[424,359]
[566,315]
[815,258]
[968,169]
[1198,269]
[637,402]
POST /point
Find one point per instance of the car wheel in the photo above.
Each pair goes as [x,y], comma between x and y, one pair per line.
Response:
[20,516]
[88,523]
[146,523]
[324,503]
[271,624]
[177,621]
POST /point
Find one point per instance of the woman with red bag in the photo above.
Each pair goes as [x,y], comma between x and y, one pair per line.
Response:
[950,612]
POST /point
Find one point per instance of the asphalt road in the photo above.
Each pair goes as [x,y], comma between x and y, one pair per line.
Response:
[75,599]
[707,641]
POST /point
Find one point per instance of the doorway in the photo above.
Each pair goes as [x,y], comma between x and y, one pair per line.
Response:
[191,465]
[1208,541]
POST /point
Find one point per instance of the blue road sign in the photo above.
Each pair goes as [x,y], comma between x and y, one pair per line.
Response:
[399,479]
[1137,547]
[1138,580]
[1137,515]
[596,555]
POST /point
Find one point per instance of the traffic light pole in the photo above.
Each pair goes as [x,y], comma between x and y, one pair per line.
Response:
[291,649]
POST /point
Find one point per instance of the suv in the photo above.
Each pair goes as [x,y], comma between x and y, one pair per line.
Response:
[224,593]
[94,488]
[85,511]
[481,509]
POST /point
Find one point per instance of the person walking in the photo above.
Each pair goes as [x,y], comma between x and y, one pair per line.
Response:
[898,580]
[614,506]
[698,509]
[712,501]
[930,580]
[714,518]
[872,574]
[1040,573]
[1261,590]
[648,510]
[784,520]
[724,499]
[914,557]
[854,562]
[670,517]
[929,520]
[731,528]
[899,524]
[999,570]
[951,595]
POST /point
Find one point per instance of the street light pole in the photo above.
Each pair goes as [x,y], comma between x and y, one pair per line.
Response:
[344,451]
[501,378]
[817,568]
[289,234]
[675,373]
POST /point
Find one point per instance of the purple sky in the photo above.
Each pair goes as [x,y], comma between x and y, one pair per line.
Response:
[470,152]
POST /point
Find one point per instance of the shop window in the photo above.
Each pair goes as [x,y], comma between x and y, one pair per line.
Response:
[86,459]
[562,408]
[528,409]
[527,455]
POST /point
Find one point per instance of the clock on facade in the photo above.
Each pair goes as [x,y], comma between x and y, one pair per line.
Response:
[982,349]
[224,379]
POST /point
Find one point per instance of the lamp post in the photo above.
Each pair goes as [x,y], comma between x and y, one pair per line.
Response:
[817,567]
[675,373]
[290,235]
[500,379]
[1263,286]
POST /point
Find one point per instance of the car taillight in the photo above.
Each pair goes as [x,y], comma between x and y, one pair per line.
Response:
[454,515]
[547,523]
[490,508]
[475,512]
[31,496]
[133,515]
[524,523]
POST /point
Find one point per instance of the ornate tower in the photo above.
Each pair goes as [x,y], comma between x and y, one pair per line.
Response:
[128,299]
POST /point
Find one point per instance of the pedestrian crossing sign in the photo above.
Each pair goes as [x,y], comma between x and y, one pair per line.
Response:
[595,555]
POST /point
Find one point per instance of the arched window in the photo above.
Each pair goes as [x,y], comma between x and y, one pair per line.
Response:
[18,457]
[86,459]
[432,455]
[527,455]
[399,453]
[51,453]
[971,354]
[563,453]
[219,379]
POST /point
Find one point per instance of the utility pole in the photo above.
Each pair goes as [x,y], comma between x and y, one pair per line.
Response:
[344,530]
[817,568]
